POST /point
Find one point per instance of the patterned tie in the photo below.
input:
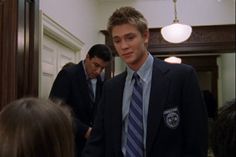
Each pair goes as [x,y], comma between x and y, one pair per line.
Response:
[135,144]
[91,94]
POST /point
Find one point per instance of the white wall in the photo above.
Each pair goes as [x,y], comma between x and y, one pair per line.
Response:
[85,18]
[161,12]
[79,17]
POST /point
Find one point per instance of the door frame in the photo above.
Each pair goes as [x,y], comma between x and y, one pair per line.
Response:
[58,33]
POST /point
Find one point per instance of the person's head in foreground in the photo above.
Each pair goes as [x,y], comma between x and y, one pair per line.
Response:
[30,127]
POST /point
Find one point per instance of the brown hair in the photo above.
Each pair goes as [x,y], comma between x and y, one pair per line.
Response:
[31,127]
[223,135]
[127,15]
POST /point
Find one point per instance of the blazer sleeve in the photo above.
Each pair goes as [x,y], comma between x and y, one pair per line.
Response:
[61,87]
[194,118]
[60,91]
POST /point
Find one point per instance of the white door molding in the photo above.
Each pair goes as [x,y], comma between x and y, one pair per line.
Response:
[57,34]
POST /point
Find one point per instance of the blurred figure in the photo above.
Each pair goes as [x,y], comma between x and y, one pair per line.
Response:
[223,135]
[211,104]
[30,127]
[80,86]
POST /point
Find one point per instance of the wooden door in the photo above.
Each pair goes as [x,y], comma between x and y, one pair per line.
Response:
[18,49]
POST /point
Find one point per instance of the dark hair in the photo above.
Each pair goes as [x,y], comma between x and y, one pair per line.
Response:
[223,135]
[101,51]
[31,127]
[127,15]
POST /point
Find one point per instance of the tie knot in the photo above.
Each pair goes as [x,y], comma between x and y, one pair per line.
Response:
[136,76]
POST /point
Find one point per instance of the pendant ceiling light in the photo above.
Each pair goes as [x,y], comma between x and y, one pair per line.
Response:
[176,32]
[173,59]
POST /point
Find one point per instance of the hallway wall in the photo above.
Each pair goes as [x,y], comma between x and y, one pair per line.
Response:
[85,18]
[79,17]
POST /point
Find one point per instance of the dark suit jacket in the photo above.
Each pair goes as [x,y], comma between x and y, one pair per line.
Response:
[71,87]
[174,94]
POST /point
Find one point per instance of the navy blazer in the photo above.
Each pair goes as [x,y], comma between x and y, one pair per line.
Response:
[175,94]
[71,86]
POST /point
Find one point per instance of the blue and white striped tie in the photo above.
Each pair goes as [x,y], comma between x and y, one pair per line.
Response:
[135,144]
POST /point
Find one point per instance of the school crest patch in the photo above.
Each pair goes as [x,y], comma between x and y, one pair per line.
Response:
[171,118]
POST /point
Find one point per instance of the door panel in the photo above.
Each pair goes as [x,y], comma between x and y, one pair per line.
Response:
[65,55]
[54,56]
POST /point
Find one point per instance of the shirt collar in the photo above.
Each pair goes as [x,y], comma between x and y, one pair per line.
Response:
[143,71]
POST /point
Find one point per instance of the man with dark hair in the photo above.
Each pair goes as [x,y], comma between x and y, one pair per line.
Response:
[80,87]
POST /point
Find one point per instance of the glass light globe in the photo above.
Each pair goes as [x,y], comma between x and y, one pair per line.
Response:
[176,32]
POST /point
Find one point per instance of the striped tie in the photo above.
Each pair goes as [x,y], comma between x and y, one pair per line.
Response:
[135,144]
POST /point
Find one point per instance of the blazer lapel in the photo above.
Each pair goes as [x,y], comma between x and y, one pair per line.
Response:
[116,112]
[82,84]
[159,90]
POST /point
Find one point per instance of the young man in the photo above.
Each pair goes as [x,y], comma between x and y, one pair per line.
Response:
[153,109]
[80,87]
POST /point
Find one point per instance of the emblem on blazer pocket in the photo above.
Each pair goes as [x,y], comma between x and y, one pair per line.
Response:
[171,118]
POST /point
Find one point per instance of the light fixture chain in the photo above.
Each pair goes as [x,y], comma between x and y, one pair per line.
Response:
[176,32]
[176,19]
